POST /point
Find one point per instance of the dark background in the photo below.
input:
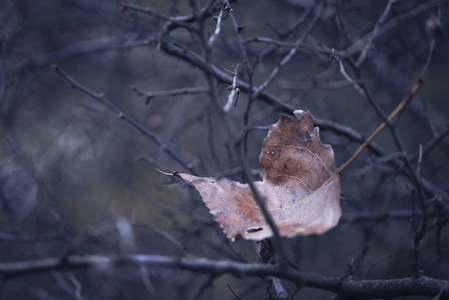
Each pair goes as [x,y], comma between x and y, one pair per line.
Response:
[71,171]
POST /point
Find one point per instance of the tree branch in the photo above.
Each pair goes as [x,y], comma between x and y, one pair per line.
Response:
[364,289]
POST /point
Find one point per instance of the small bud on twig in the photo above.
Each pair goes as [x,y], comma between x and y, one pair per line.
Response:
[434,27]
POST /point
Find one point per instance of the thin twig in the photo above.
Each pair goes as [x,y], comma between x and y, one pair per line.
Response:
[320,49]
[278,288]
[356,86]
[422,230]
[432,143]
[249,70]
[181,20]
[165,145]
[414,90]
[174,92]
[145,277]
[120,42]
[429,57]
[391,24]
[3,72]
[287,57]
[234,293]
[418,171]
[374,33]
[243,52]
[77,285]
[170,238]
[206,284]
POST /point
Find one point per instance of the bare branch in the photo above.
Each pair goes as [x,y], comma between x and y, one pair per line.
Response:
[165,145]
[366,289]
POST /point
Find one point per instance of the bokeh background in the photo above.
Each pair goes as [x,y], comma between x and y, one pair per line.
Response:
[71,171]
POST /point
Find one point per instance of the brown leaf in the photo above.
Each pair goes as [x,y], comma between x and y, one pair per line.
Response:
[300,186]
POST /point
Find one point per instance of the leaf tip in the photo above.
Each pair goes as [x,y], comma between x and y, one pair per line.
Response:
[299,113]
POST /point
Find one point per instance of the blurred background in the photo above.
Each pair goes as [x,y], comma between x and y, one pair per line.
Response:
[76,178]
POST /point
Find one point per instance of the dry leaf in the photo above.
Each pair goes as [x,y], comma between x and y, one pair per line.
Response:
[300,186]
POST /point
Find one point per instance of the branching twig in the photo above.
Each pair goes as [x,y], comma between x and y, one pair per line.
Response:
[392,23]
[432,143]
[374,33]
[165,145]
[287,58]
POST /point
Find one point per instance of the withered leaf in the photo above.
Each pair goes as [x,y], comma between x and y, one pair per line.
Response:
[300,186]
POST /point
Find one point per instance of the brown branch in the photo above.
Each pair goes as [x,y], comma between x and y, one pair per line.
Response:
[415,88]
